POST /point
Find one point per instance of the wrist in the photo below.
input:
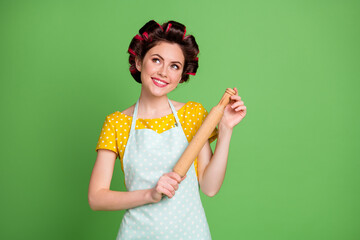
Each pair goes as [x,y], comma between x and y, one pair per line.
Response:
[148,196]
[224,128]
[152,196]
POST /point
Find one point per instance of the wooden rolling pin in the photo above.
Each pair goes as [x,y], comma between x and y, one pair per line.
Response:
[202,135]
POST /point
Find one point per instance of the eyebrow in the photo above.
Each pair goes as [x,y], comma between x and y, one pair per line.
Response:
[163,58]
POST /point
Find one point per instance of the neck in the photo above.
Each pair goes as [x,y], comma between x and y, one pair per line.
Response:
[153,106]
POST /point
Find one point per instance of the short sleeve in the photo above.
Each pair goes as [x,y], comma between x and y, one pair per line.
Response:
[202,114]
[107,138]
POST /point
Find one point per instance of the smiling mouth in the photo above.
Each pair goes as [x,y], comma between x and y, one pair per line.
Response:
[159,83]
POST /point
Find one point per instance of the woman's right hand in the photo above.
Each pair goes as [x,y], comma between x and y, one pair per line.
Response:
[167,185]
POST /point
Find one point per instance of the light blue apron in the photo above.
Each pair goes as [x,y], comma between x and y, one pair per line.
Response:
[148,155]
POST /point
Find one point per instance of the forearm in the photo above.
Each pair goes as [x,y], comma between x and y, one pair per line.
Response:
[108,200]
[214,172]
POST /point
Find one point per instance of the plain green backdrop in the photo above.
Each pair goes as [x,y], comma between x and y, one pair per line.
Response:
[293,170]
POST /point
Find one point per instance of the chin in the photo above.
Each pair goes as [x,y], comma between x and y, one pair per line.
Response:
[159,92]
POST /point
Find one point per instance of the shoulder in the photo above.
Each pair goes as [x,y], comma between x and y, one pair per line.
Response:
[129,111]
[192,107]
[177,105]
[116,118]
[192,112]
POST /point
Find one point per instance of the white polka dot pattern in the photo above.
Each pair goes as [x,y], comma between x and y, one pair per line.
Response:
[147,157]
[117,125]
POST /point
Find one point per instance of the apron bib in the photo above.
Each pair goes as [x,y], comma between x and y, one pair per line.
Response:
[148,155]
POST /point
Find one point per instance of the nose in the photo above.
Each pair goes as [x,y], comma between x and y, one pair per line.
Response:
[162,71]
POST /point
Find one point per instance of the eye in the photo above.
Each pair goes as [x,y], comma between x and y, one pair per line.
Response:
[174,66]
[156,60]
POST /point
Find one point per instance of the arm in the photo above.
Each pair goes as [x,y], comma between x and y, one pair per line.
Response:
[101,198]
[212,167]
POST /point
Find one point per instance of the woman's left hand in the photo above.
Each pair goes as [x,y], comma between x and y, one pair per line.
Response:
[234,112]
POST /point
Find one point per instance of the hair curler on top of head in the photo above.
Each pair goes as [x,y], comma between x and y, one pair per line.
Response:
[152,33]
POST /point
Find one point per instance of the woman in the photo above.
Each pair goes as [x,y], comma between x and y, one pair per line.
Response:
[150,136]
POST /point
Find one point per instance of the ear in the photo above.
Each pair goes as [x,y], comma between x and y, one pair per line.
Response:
[138,63]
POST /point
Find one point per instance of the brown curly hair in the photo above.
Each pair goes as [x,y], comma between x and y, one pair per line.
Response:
[152,34]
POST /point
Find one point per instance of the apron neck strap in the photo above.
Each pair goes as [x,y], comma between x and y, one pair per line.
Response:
[133,123]
[175,114]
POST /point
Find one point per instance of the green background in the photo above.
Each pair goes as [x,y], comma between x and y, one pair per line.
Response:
[293,170]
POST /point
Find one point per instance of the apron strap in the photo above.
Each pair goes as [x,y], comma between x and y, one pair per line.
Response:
[133,123]
[175,114]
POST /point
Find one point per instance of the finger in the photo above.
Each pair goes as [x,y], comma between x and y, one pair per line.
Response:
[237,104]
[164,191]
[167,186]
[241,108]
[171,189]
[183,178]
[235,98]
[174,176]
[236,91]
[174,184]
[170,184]
[168,181]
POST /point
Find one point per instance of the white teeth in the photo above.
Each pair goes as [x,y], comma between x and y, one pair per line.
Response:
[162,83]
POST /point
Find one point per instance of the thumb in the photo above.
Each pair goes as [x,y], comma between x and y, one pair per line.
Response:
[183,178]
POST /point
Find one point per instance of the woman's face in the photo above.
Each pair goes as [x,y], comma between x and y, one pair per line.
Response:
[161,68]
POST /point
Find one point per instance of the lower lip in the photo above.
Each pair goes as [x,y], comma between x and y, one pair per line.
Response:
[158,84]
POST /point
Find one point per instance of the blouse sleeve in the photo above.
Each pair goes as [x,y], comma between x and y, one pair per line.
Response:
[202,114]
[107,138]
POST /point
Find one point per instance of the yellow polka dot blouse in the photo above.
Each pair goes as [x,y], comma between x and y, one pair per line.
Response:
[115,131]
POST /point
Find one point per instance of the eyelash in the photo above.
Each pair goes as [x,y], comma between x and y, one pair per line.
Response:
[155,59]
[176,67]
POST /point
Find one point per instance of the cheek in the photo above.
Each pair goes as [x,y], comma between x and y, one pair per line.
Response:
[176,75]
[149,68]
